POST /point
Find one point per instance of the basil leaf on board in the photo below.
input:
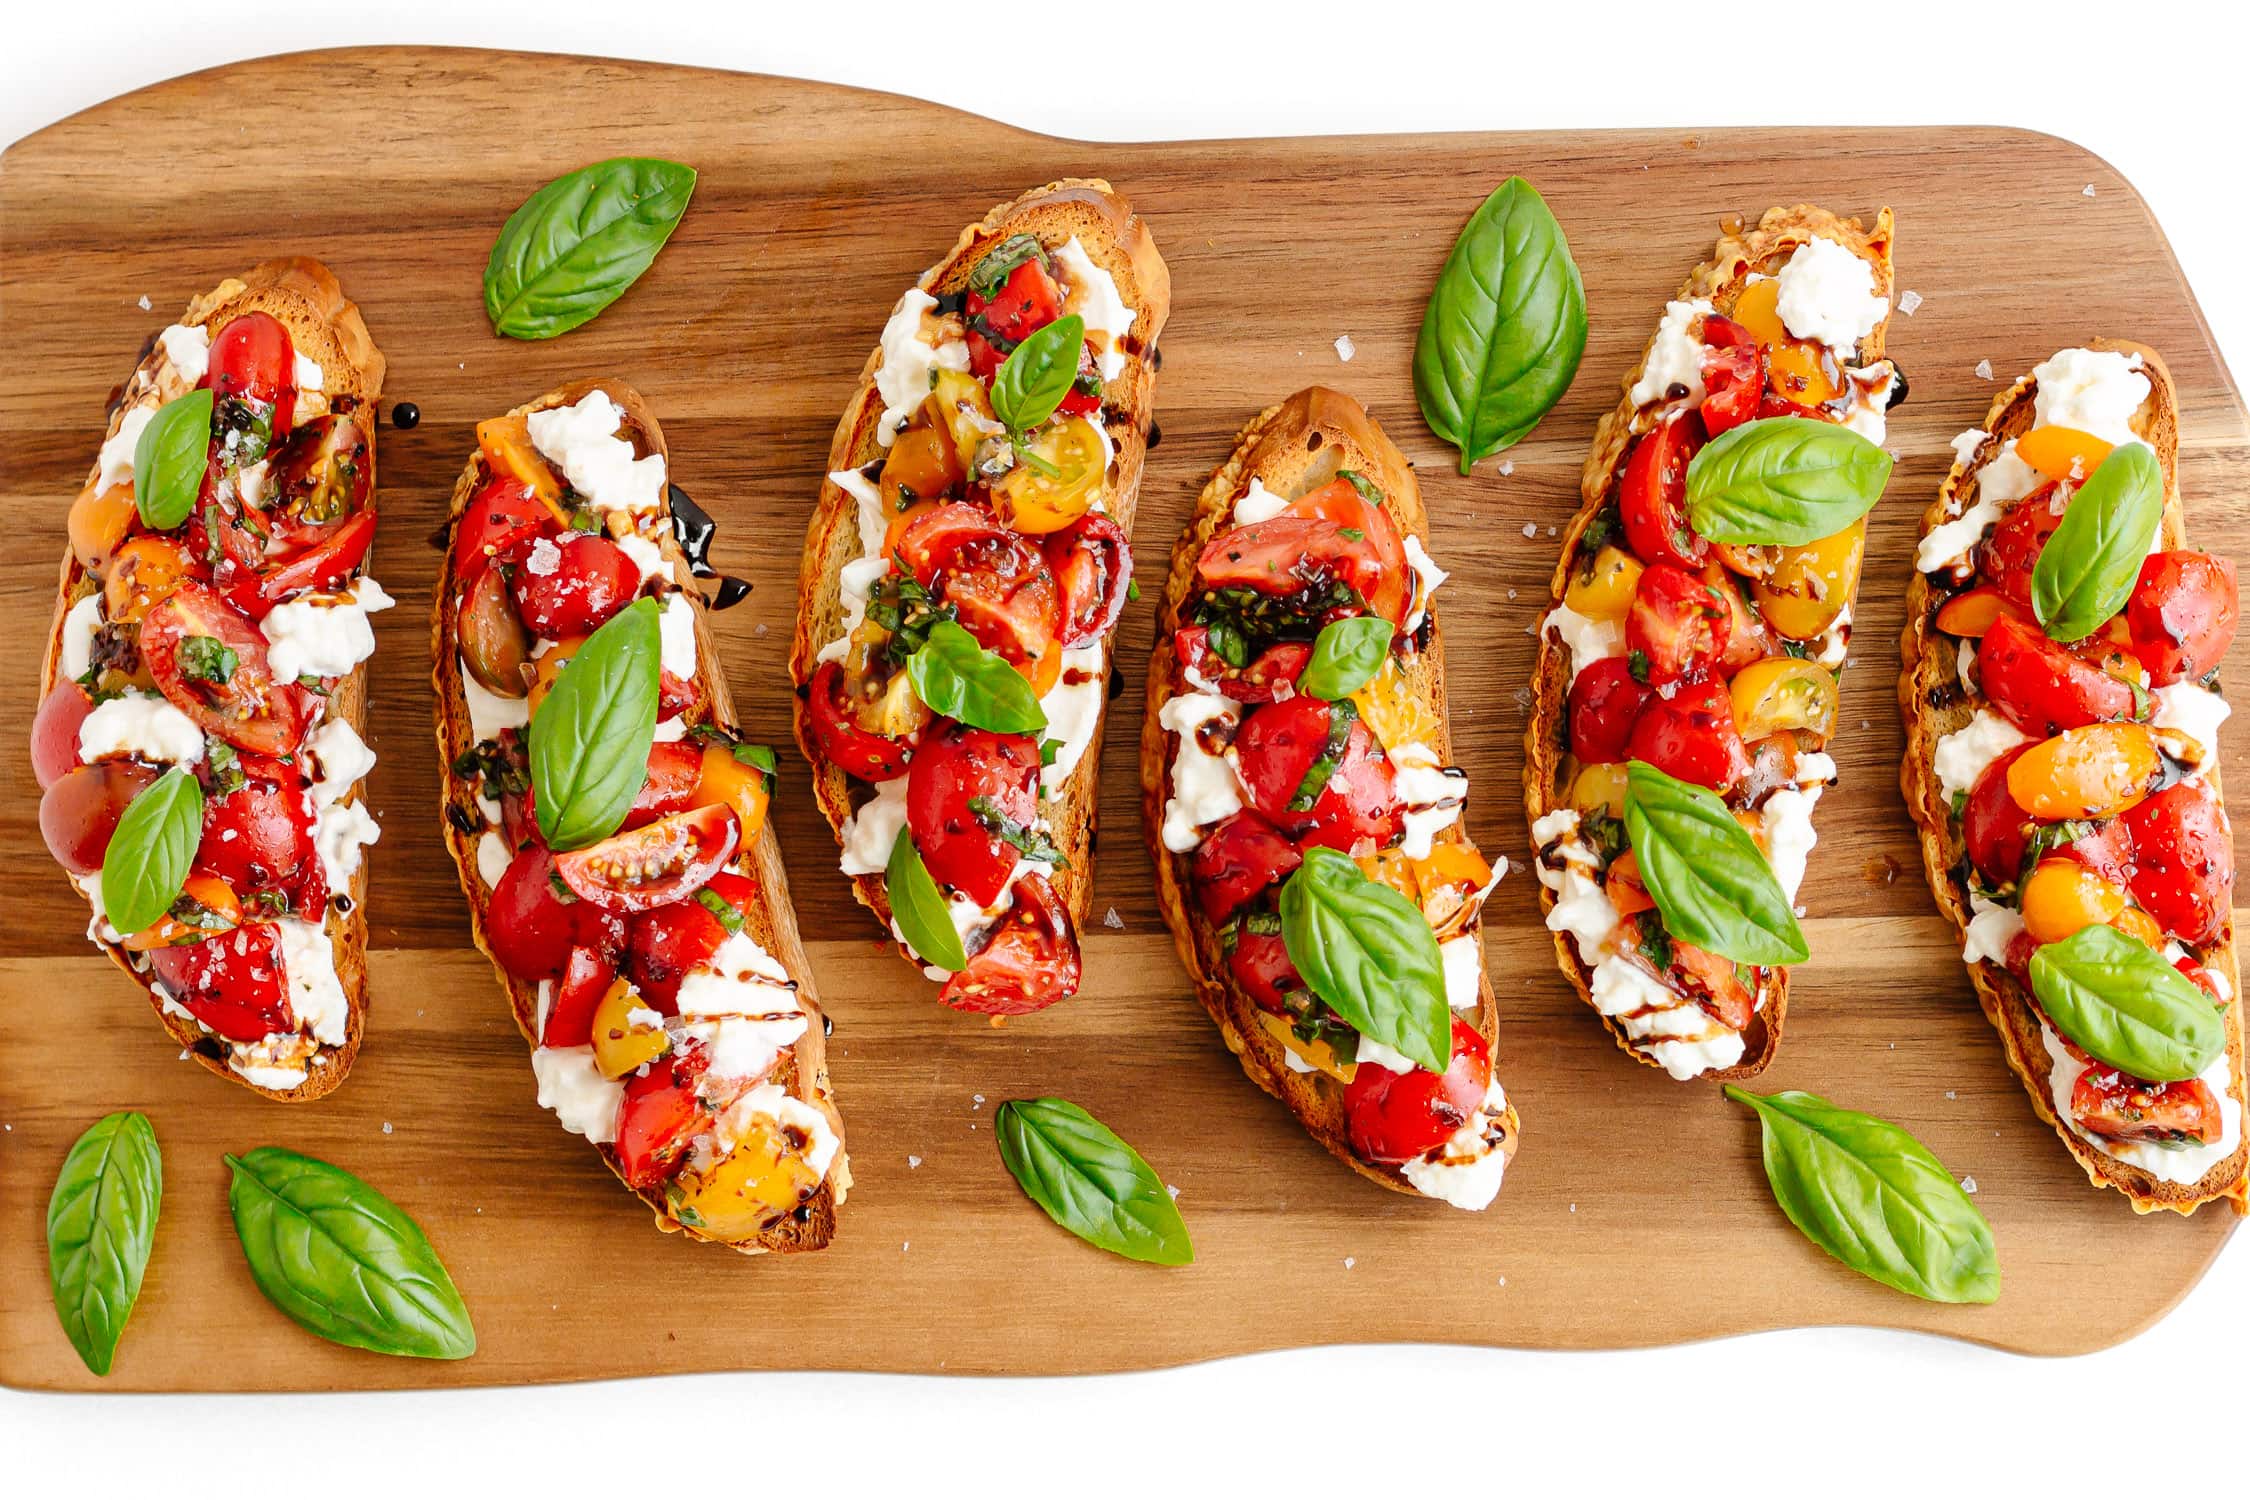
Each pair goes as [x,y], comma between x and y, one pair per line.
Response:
[1872,1196]
[148,856]
[2093,558]
[1710,884]
[1505,327]
[2122,1004]
[101,1222]
[918,908]
[1370,954]
[575,245]
[960,679]
[169,460]
[343,1260]
[1038,373]
[1346,655]
[1090,1182]
[1783,481]
[591,734]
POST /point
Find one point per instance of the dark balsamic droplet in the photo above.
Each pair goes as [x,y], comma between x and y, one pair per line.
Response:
[732,591]
[949,303]
[827,1025]
[1898,388]
[1156,362]
[441,538]
[804,692]
[693,528]
[1116,684]
[802,1213]
[405,416]
[341,903]
[1155,434]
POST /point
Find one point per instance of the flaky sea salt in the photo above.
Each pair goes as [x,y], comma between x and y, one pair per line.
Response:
[1345,348]
[1984,369]
[1110,918]
[1531,528]
[1908,301]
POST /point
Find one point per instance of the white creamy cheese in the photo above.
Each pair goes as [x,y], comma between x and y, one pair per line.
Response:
[1206,788]
[1992,927]
[308,374]
[582,441]
[1589,640]
[741,1005]
[676,633]
[1466,1171]
[768,1101]
[871,832]
[1091,292]
[1787,819]
[1675,358]
[341,831]
[1074,708]
[316,995]
[1682,1037]
[117,451]
[493,858]
[265,1075]
[1962,756]
[1827,295]
[860,575]
[1427,575]
[2196,712]
[1433,795]
[573,1087]
[1258,504]
[1463,960]
[79,625]
[189,349]
[141,725]
[646,556]
[1582,907]
[2094,391]
[1372,1052]
[342,757]
[2185,1164]
[324,635]
[489,713]
[903,376]
[1868,404]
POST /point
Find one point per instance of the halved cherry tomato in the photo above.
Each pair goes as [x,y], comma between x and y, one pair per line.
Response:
[674,768]
[503,512]
[1269,672]
[725,779]
[1020,306]
[1093,564]
[232,983]
[1622,884]
[2120,1108]
[100,520]
[1734,374]
[1712,982]
[667,943]
[1395,1117]
[1972,612]
[1030,958]
[664,861]
[923,463]
[2063,453]
[253,358]
[145,570]
[2041,688]
[1280,744]
[661,1113]
[1333,534]
[586,978]
[1260,963]
[956,767]
[54,731]
[1652,501]
[1993,827]
[1000,584]
[532,922]
[248,709]
[326,562]
[221,912]
[1691,735]
[505,443]
[1678,623]
[2061,896]
[495,648]
[2107,851]
[2183,860]
[2007,557]
[79,811]
[317,506]
[2094,771]
[854,751]
[259,837]
[2182,615]
[1605,702]
[1237,860]
[573,585]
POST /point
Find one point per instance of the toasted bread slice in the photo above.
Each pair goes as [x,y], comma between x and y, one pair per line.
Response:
[326,327]
[1934,702]
[1291,449]
[1117,240]
[1736,257]
[771,921]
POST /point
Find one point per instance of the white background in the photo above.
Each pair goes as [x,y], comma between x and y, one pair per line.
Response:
[1834,1412]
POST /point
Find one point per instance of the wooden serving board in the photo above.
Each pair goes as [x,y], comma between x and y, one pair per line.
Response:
[1636,1214]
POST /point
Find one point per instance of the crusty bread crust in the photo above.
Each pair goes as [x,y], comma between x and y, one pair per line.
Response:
[1933,704]
[325,327]
[1720,280]
[771,920]
[1118,241]
[1292,448]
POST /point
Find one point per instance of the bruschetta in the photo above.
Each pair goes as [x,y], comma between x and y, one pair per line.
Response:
[609,824]
[1712,659]
[963,576]
[2062,710]
[1300,800]
[199,733]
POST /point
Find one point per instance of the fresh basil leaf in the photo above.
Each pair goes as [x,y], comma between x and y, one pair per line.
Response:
[1033,380]
[1000,262]
[2122,1004]
[960,679]
[1369,953]
[757,757]
[149,854]
[918,908]
[101,1223]
[1346,655]
[1090,1182]
[343,1260]
[591,735]
[1505,326]
[169,460]
[1783,481]
[2088,568]
[1710,884]
[575,245]
[1874,1197]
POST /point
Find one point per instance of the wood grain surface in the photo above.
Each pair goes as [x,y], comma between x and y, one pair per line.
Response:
[1636,1214]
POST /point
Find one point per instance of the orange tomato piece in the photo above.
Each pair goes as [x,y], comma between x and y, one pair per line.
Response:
[2063,454]
[732,782]
[2096,771]
[505,443]
[1973,612]
[208,891]
[2062,896]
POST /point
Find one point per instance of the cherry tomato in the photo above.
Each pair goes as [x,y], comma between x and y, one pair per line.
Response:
[2183,860]
[1734,374]
[851,749]
[252,358]
[1333,535]
[1236,861]
[1993,827]
[317,509]
[259,837]
[586,978]
[232,983]
[675,768]
[2013,549]
[985,358]
[1395,1117]
[1020,306]
[2201,978]
[1093,564]
[1652,501]
[2182,615]
[668,943]
[530,926]
[495,648]
[1605,703]
[247,709]
[1677,622]
[502,513]
[1278,664]
[1029,961]
[323,563]
[2119,1108]
[54,731]
[79,812]
[1691,735]
[675,695]
[1260,963]
[1280,744]
[2107,851]
[661,862]
[999,584]
[662,1112]
[1713,982]
[572,586]
[2041,688]
[958,773]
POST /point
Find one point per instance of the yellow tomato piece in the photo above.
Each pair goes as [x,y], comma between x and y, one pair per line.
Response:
[749,1190]
[2063,454]
[2062,896]
[1809,586]
[1317,1054]
[1600,788]
[2138,924]
[1448,882]
[144,571]
[1803,373]
[1783,692]
[505,443]
[208,891]
[730,781]
[958,404]
[1392,868]
[620,1046]
[1057,479]
[100,520]
[1603,589]
[1973,612]
[1393,715]
[1758,310]
[2097,771]
[923,462]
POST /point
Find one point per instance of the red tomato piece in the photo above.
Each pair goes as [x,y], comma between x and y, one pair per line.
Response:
[2013,549]
[1734,374]
[1236,861]
[1029,960]
[253,358]
[79,812]
[962,780]
[1605,702]
[1396,1117]
[2182,615]
[1260,963]
[531,926]
[1652,499]
[1333,535]
[1678,623]
[1993,827]
[661,862]
[1281,743]
[232,983]
[245,707]
[853,750]
[2120,1108]
[1092,562]
[501,514]
[586,978]
[1691,735]
[572,586]
[2183,861]
[54,731]
[668,943]
[1020,306]
[674,769]
[1262,681]
[2041,688]
[259,837]
[661,1114]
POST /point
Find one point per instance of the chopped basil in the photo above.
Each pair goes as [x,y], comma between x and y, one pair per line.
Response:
[993,271]
[208,658]
[1366,488]
[1027,841]
[719,906]
[1341,716]
[226,767]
